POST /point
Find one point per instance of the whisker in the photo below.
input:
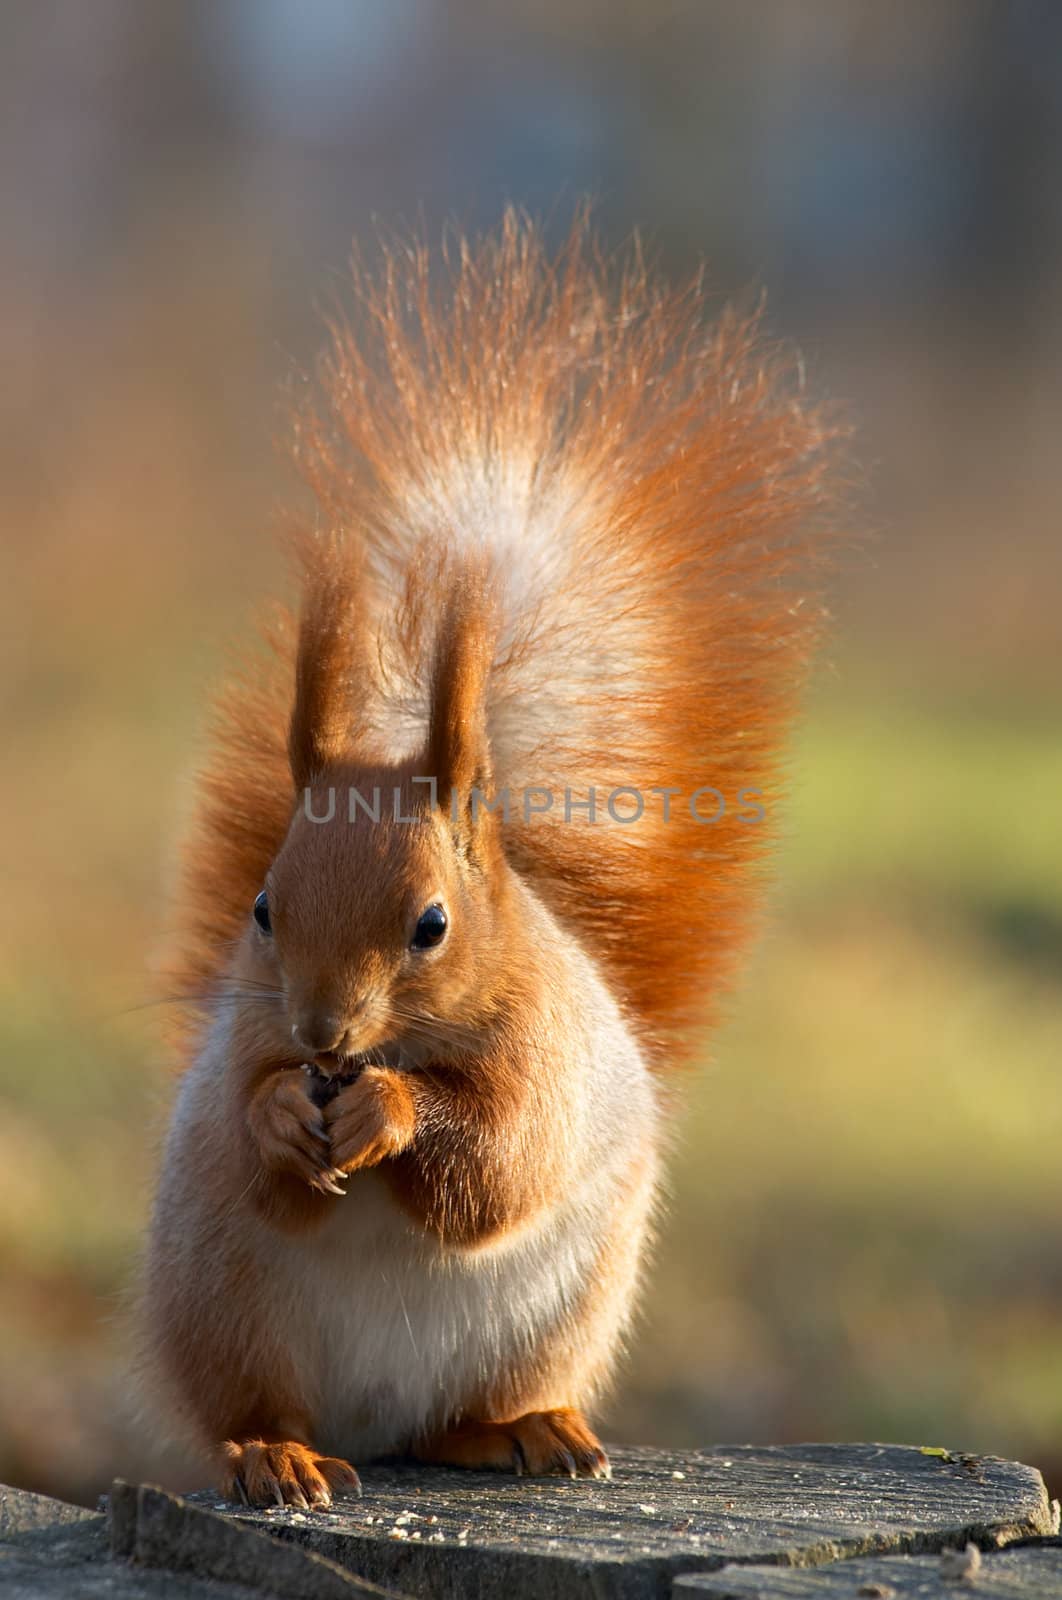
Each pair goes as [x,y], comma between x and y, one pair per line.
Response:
[441,1025]
[227,980]
[438,1033]
[210,998]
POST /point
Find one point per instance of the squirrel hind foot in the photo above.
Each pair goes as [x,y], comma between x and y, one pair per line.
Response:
[538,1444]
[258,1472]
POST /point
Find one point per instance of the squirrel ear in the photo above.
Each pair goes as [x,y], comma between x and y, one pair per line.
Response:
[458,748]
[331,658]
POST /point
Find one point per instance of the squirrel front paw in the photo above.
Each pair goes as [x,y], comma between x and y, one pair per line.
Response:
[370,1119]
[289,1131]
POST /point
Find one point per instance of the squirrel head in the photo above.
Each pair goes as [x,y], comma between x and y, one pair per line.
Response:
[390,886]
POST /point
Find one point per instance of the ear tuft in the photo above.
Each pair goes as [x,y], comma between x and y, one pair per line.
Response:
[458,747]
[331,662]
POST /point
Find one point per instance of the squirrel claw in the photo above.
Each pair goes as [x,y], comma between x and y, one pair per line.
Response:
[328,1181]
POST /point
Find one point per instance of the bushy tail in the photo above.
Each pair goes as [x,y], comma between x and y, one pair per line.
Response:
[648,493]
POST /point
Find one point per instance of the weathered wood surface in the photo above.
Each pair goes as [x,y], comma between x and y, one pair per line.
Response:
[53,1551]
[24,1512]
[158,1529]
[799,1521]
[662,1514]
[1020,1573]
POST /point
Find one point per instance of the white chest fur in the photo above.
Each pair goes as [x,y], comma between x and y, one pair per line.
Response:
[391,1330]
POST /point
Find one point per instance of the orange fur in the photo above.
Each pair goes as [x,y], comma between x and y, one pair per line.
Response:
[540,1442]
[561,532]
[269,1471]
[701,479]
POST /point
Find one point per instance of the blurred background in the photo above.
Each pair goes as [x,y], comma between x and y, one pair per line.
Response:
[865,1237]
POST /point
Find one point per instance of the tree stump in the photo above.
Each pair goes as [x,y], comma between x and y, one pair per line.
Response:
[732,1524]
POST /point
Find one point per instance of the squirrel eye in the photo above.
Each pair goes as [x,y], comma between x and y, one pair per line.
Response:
[430,928]
[261,912]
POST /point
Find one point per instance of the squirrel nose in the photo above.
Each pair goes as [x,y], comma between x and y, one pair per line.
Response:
[318,1032]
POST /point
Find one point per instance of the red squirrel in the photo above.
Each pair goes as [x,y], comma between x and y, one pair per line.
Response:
[564,528]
